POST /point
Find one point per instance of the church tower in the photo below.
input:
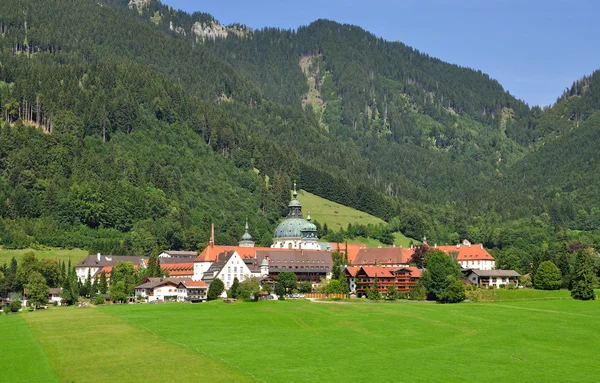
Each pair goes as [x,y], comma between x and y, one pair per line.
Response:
[246,238]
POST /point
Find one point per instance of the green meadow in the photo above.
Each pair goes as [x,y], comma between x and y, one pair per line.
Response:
[300,341]
[76,255]
[339,216]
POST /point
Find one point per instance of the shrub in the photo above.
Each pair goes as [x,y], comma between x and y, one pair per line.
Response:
[15,305]
[525,281]
[418,293]
[99,300]
[511,285]
[453,292]
[547,277]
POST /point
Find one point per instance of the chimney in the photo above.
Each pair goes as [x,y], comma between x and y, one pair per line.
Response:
[98,256]
[481,245]
[435,245]
[211,242]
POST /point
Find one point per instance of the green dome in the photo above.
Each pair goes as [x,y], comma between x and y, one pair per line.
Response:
[246,237]
[290,228]
[295,226]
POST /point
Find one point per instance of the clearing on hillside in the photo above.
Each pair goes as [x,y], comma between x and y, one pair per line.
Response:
[76,255]
[339,216]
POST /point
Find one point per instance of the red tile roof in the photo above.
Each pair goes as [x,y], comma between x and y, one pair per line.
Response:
[178,269]
[468,252]
[377,271]
[209,254]
[353,249]
[352,270]
[384,255]
[194,284]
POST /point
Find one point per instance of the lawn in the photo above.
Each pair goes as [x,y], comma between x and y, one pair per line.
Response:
[76,255]
[300,341]
[22,357]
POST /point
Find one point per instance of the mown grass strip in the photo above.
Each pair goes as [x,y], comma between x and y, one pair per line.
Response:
[22,357]
[87,345]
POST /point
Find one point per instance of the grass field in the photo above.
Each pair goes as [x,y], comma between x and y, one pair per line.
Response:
[76,255]
[22,357]
[300,341]
[337,216]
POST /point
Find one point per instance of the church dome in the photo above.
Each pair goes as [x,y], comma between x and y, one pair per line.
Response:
[290,228]
[295,226]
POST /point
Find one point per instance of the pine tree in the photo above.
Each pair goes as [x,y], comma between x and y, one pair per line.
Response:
[103,285]
[583,280]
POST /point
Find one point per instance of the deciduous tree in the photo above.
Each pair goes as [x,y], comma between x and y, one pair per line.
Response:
[547,277]
[37,290]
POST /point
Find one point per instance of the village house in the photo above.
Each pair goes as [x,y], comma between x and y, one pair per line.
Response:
[364,278]
[54,295]
[172,289]
[228,266]
[93,264]
[470,256]
[492,278]
[178,254]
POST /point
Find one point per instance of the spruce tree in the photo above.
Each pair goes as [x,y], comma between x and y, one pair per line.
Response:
[583,281]
[103,285]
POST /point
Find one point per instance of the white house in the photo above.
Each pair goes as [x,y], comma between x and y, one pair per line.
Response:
[229,265]
[492,278]
[178,254]
[161,289]
[92,264]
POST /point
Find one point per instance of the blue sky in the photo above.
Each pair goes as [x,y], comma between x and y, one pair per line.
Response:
[535,49]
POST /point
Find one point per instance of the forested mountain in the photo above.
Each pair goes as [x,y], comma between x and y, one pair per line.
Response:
[128,126]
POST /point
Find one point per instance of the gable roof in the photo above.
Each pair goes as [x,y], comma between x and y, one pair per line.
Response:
[209,254]
[415,272]
[178,269]
[108,260]
[188,283]
[352,270]
[376,271]
[468,252]
[495,273]
[181,253]
[152,283]
[383,255]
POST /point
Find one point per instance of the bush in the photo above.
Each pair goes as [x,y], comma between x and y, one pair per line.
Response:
[511,285]
[547,277]
[525,281]
[453,292]
[6,309]
[15,305]
[99,300]
[418,293]
[373,294]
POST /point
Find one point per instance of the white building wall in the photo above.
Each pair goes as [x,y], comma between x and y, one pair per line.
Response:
[234,268]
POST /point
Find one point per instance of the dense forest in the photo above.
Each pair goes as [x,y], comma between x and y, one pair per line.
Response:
[130,126]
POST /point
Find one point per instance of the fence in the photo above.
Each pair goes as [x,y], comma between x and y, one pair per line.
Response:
[324,295]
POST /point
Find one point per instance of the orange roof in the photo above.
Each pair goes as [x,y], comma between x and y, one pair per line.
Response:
[352,270]
[194,283]
[384,255]
[209,254]
[415,272]
[178,268]
[353,249]
[377,271]
[468,252]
